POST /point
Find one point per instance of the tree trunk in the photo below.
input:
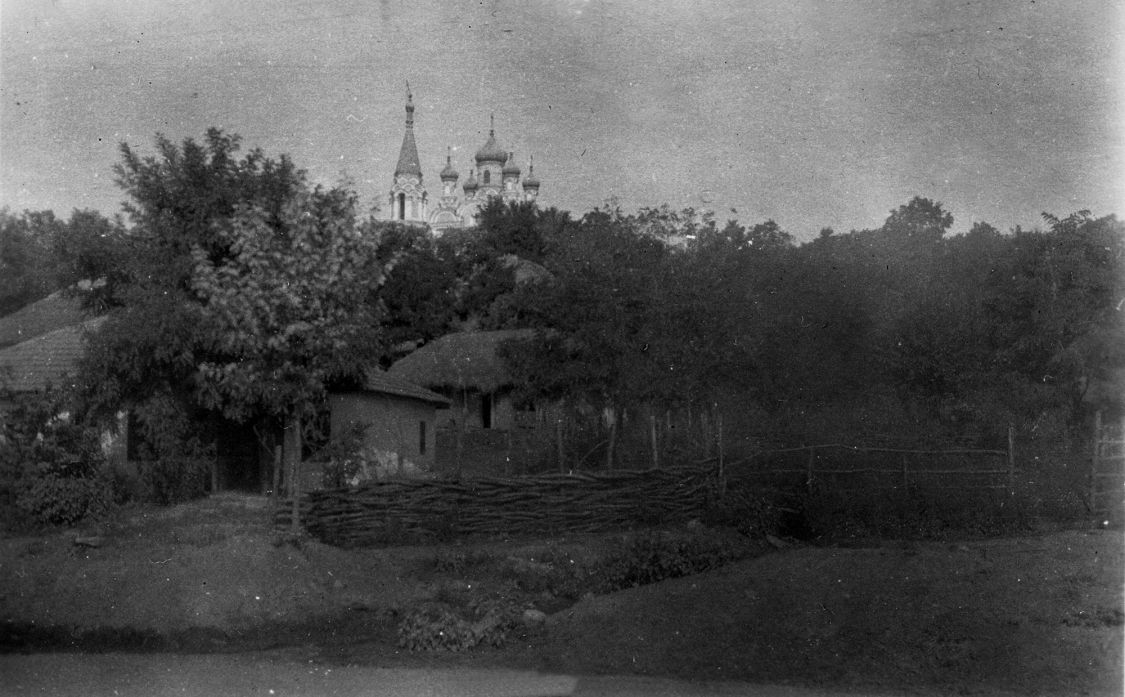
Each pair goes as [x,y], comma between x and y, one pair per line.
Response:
[276,491]
[291,452]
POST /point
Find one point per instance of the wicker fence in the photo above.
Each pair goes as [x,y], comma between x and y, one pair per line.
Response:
[398,510]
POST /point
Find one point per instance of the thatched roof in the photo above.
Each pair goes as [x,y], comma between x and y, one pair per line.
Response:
[45,315]
[48,359]
[378,381]
[465,360]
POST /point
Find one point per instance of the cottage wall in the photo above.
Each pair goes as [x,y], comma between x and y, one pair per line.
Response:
[468,410]
[402,426]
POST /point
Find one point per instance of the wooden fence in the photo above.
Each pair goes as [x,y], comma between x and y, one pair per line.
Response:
[844,467]
[1107,469]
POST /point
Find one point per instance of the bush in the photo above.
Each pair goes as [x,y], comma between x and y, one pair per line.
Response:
[652,556]
[51,468]
[439,627]
[751,511]
[56,500]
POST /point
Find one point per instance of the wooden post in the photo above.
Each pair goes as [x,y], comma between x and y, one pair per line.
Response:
[809,468]
[905,474]
[611,412]
[1095,464]
[655,444]
[1011,460]
[559,441]
[292,452]
[722,463]
[277,472]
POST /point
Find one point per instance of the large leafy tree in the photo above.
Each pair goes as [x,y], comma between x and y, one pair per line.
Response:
[287,311]
[182,203]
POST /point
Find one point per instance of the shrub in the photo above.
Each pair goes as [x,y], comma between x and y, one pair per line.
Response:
[752,512]
[51,466]
[652,556]
[439,627]
[56,500]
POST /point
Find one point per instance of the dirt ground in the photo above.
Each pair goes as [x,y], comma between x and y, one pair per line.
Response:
[1036,614]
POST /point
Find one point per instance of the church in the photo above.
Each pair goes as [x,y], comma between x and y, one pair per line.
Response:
[495,174]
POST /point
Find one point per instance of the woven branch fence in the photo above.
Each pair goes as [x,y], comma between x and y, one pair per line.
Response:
[386,511]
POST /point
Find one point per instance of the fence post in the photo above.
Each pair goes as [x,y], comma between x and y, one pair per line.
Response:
[722,463]
[1011,460]
[1094,464]
[809,468]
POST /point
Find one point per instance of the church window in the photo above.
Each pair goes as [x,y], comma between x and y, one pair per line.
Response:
[402,206]
[486,176]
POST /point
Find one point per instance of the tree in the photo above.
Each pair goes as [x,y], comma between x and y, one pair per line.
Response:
[596,345]
[25,268]
[290,309]
[145,356]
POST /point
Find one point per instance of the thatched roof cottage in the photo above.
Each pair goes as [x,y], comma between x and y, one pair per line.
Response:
[467,368]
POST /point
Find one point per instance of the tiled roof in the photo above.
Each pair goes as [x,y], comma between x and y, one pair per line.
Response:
[52,312]
[48,359]
[379,381]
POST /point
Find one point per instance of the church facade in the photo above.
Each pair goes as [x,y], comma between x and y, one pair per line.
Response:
[494,174]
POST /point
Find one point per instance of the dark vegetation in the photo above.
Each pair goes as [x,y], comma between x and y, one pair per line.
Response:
[697,340]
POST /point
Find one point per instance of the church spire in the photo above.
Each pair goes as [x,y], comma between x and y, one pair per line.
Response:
[408,195]
[408,155]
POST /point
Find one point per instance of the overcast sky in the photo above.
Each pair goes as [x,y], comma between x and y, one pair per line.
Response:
[811,113]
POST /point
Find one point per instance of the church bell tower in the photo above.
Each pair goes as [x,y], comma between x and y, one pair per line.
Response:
[408,194]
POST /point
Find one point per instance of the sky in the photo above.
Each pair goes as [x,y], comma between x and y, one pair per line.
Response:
[811,113]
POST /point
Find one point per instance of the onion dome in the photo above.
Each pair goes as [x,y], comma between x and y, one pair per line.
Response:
[408,155]
[449,174]
[491,150]
[531,182]
[471,182]
[510,166]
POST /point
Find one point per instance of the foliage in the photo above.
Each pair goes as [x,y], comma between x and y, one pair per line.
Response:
[751,510]
[40,253]
[441,627]
[342,457]
[288,310]
[652,556]
[51,467]
[57,500]
[24,257]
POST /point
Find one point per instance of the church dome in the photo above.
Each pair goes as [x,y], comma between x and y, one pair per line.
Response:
[471,183]
[449,173]
[510,166]
[531,182]
[491,150]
